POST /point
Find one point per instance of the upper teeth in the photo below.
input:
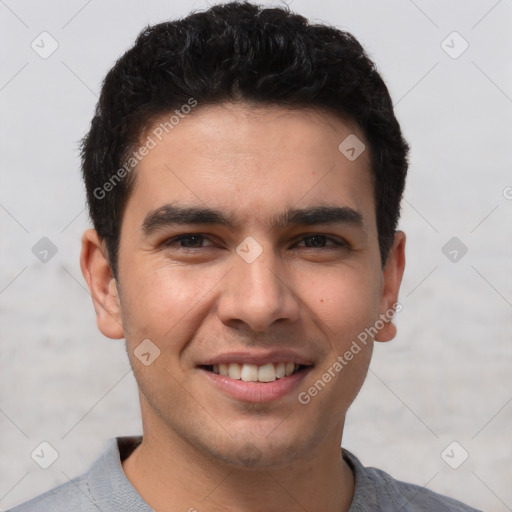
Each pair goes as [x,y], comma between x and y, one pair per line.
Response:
[253,373]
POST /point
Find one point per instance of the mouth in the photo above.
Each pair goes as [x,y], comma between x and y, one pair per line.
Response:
[248,372]
[256,379]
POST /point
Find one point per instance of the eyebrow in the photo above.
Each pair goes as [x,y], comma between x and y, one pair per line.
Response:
[171,215]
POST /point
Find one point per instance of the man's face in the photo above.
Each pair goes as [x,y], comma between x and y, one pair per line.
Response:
[249,244]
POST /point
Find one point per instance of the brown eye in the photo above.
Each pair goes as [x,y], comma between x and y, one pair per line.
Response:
[192,241]
[315,241]
[318,241]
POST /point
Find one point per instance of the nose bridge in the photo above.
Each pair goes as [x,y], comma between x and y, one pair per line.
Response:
[256,293]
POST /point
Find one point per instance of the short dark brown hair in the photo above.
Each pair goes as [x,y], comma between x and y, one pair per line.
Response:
[238,51]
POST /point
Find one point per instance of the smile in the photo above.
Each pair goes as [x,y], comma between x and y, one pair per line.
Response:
[257,383]
[248,372]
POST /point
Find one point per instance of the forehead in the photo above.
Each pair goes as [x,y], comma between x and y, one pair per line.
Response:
[252,161]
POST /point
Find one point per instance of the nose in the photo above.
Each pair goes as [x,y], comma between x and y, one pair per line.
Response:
[257,294]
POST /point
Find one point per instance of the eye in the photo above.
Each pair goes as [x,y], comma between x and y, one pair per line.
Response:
[318,241]
[189,241]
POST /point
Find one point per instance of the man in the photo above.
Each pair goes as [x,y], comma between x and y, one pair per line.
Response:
[244,172]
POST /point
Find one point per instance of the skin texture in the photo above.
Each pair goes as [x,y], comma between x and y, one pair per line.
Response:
[198,298]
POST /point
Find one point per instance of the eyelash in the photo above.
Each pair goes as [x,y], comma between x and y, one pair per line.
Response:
[337,243]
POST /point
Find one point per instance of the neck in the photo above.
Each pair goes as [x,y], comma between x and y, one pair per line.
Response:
[171,475]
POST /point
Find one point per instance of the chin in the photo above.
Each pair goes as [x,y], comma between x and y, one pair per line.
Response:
[262,451]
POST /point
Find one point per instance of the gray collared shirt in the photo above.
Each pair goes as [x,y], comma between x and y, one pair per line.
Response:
[105,488]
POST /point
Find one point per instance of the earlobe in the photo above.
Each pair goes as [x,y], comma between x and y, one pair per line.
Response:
[102,285]
[392,278]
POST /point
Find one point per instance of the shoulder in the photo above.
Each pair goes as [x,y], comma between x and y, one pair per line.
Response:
[104,487]
[73,495]
[376,491]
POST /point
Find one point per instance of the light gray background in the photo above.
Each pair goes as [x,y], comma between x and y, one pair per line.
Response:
[447,375]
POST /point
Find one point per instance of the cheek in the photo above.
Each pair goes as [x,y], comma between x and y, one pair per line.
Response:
[165,304]
[346,305]
[345,300]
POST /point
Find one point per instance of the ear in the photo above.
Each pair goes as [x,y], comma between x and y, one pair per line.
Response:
[102,285]
[392,278]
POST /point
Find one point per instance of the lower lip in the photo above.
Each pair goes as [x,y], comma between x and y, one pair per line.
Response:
[257,392]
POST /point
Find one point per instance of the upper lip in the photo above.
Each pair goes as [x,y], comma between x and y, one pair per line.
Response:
[259,358]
